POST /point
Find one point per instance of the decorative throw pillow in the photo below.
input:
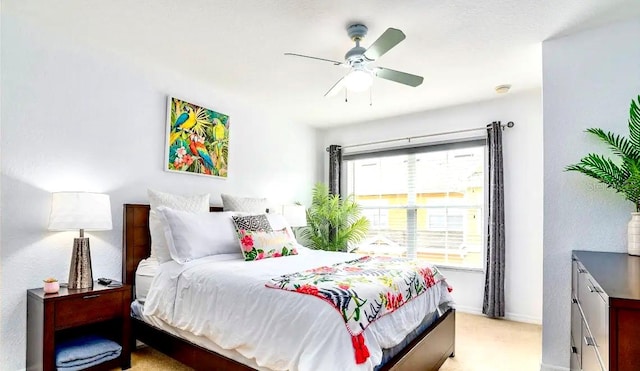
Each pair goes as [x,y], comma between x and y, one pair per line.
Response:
[244,204]
[258,245]
[279,223]
[259,241]
[252,223]
[195,235]
[194,203]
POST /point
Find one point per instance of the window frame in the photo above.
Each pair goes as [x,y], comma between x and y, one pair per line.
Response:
[425,148]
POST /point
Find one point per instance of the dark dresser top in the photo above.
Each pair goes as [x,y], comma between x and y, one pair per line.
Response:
[618,274]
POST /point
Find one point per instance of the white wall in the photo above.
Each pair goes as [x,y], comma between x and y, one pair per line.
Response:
[76,119]
[523,189]
[589,80]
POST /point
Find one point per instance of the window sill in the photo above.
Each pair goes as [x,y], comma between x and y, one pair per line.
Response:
[461,269]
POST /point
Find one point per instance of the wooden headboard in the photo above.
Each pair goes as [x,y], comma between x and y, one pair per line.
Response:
[136,241]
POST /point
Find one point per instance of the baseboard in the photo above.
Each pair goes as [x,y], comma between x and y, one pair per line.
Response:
[508,316]
[469,310]
[522,318]
[545,367]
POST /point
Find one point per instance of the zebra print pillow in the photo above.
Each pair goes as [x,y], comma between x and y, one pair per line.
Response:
[254,223]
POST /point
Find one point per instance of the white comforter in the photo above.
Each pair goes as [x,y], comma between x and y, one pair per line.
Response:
[224,298]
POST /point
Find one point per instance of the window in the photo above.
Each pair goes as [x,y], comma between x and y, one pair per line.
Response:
[424,202]
[445,220]
[378,217]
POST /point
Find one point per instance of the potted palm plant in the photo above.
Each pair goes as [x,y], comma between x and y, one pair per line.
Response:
[621,175]
[333,223]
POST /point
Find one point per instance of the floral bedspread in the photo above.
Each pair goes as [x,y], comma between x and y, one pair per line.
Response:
[363,290]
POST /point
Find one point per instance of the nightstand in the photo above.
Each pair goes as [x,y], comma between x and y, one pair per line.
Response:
[53,318]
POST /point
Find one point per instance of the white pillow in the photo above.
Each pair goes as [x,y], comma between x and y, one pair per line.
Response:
[193,203]
[278,223]
[195,235]
[244,204]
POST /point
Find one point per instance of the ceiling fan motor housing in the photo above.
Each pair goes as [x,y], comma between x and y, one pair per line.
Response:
[356,55]
[357,32]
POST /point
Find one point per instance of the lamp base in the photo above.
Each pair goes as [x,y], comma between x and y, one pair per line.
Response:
[80,276]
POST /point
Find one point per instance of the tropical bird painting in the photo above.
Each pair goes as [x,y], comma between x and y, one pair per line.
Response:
[185,121]
[198,139]
[199,150]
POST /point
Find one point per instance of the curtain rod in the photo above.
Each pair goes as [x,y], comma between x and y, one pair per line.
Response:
[509,124]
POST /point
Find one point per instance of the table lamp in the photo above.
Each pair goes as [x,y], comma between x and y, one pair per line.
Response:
[295,215]
[80,211]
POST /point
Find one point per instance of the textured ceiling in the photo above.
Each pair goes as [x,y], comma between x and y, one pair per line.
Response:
[463,48]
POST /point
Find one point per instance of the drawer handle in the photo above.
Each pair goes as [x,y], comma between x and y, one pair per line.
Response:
[574,350]
[589,341]
[593,289]
[91,296]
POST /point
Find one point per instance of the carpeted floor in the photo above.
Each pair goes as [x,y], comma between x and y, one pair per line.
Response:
[482,344]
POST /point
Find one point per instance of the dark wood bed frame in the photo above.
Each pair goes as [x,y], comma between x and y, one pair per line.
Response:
[425,353]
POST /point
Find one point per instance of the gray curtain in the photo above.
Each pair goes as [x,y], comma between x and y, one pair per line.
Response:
[335,171]
[335,168]
[493,305]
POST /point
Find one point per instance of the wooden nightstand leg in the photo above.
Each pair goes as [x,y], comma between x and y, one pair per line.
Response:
[126,331]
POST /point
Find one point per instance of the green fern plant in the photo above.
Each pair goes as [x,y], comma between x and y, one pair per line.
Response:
[333,223]
[623,175]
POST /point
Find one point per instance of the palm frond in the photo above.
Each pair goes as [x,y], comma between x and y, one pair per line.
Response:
[619,145]
[634,122]
[590,173]
[631,165]
[602,169]
[623,176]
[631,189]
[203,122]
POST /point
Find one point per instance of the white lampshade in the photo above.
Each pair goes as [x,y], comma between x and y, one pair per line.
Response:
[295,215]
[358,80]
[80,210]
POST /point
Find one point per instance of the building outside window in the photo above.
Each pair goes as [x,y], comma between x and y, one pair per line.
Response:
[424,202]
[378,217]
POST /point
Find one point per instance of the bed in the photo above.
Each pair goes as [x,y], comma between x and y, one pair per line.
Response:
[427,351]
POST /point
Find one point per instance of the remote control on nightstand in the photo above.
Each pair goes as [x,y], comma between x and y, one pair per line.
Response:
[104,281]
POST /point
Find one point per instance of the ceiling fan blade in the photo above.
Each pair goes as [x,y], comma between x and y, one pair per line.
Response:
[397,76]
[390,38]
[335,63]
[335,88]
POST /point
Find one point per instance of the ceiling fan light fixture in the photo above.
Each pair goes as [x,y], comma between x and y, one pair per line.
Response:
[358,80]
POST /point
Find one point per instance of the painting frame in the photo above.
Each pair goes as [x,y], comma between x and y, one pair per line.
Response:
[196,139]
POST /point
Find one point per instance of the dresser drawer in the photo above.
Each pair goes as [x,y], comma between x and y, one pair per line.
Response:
[576,332]
[574,364]
[575,272]
[95,307]
[596,314]
[576,354]
[590,359]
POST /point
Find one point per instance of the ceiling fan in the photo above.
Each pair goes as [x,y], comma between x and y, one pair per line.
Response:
[360,61]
